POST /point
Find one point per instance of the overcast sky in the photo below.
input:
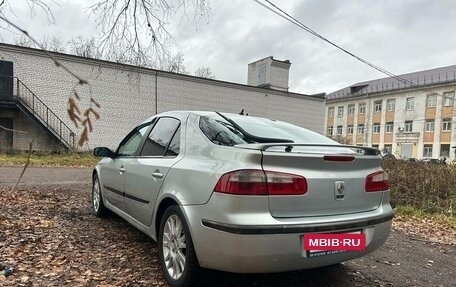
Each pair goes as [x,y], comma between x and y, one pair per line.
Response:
[399,36]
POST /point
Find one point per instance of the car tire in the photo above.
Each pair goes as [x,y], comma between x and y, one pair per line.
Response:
[175,245]
[98,207]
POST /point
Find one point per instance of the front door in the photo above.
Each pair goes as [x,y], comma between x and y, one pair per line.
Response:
[113,182]
[6,80]
[113,172]
[406,150]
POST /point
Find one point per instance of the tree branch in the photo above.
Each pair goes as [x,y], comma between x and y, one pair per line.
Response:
[27,163]
[85,121]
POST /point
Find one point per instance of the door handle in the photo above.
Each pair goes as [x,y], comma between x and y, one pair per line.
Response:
[157,174]
[122,170]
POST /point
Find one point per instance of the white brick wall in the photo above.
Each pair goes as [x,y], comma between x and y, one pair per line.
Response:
[127,94]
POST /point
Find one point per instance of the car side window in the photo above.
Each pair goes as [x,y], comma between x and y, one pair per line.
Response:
[130,144]
[160,137]
[174,146]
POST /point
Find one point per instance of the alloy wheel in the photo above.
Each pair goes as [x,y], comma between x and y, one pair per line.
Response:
[174,247]
[96,196]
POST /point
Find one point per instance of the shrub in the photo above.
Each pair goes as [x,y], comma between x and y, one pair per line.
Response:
[430,187]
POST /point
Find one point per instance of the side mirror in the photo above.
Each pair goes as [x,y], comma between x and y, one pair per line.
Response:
[103,152]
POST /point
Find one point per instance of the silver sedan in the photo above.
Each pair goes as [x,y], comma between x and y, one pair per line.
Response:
[241,194]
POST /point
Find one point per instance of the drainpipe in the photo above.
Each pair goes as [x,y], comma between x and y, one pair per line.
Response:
[156,94]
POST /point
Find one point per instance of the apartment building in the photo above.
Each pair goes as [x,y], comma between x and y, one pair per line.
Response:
[411,116]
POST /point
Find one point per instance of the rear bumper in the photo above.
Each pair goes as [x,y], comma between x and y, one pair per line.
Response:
[255,242]
[297,228]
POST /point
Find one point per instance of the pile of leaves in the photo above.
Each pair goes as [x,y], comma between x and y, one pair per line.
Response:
[49,237]
[426,186]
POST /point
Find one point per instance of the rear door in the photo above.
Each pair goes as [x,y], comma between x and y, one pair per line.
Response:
[145,174]
[334,187]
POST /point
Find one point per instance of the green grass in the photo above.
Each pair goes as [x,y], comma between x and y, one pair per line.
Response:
[413,212]
[71,159]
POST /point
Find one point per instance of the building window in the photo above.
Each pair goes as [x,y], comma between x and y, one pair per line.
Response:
[388,149]
[351,110]
[331,112]
[429,126]
[448,99]
[391,105]
[378,106]
[410,104]
[339,130]
[427,152]
[349,129]
[389,127]
[360,129]
[445,150]
[446,125]
[362,108]
[340,112]
[408,126]
[330,131]
[376,128]
[431,101]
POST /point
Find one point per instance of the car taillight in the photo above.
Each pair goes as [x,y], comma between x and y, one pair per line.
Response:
[377,181]
[258,182]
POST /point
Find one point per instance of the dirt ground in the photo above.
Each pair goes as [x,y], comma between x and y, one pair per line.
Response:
[50,238]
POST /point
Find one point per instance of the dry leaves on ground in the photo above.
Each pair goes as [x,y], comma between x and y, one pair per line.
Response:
[50,238]
[427,228]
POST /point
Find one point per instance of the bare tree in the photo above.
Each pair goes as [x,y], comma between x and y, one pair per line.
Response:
[137,28]
[84,47]
[53,44]
[43,5]
[175,64]
[24,41]
[134,30]
[204,72]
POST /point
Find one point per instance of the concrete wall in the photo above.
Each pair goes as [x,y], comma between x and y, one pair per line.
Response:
[27,130]
[127,94]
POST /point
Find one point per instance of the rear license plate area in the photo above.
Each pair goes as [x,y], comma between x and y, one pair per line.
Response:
[324,244]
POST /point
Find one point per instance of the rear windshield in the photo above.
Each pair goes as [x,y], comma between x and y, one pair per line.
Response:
[221,132]
[277,129]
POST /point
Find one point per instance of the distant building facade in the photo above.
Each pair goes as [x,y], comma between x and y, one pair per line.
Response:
[34,94]
[410,118]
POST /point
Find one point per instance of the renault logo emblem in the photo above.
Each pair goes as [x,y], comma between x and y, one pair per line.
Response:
[339,191]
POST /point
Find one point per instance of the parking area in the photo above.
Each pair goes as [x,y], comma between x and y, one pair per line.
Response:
[50,238]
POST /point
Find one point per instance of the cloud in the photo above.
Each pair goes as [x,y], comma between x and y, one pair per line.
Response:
[400,36]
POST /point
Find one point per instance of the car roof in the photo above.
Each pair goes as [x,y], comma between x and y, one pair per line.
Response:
[184,113]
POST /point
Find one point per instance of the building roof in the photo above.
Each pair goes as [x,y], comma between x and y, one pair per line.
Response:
[34,51]
[434,76]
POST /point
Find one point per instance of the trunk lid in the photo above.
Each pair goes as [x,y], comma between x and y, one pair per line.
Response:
[325,178]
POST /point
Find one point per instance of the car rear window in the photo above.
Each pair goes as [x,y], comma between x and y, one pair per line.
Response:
[271,128]
[219,132]
[260,127]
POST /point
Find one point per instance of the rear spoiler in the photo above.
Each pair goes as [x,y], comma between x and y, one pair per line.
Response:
[289,147]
